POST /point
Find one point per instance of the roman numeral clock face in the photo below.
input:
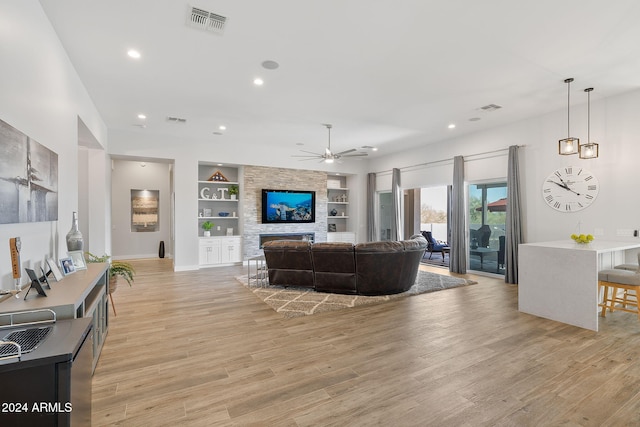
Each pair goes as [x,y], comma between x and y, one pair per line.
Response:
[570,189]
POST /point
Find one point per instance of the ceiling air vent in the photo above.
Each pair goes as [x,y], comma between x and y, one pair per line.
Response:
[176,120]
[203,20]
[491,107]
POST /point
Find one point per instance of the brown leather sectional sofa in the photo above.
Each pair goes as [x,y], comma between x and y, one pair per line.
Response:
[374,268]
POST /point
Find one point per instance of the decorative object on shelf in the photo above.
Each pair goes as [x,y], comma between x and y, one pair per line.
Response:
[568,145]
[218,176]
[329,156]
[234,214]
[233,192]
[204,193]
[343,198]
[67,266]
[75,242]
[207,226]
[590,149]
[77,258]
[214,196]
[582,239]
[342,213]
[331,228]
[222,190]
[200,213]
[54,269]
[206,212]
[333,212]
[117,270]
[223,214]
[14,246]
[570,189]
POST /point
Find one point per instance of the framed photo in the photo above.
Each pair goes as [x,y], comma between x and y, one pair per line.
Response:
[66,264]
[77,257]
[54,269]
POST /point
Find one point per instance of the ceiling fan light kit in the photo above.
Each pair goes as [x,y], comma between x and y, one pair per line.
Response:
[329,156]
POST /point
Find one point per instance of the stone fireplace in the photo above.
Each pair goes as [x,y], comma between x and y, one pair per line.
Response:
[267,237]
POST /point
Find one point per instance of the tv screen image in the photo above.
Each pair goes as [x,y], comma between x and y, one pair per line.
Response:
[288,206]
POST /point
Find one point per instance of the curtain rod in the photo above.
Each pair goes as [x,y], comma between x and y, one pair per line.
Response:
[466,158]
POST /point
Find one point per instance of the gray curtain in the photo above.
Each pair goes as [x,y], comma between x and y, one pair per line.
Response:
[371,207]
[458,253]
[513,219]
[396,217]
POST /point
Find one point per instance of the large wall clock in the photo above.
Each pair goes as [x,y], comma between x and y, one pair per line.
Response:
[570,189]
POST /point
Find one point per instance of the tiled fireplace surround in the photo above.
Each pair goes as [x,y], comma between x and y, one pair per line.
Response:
[258,177]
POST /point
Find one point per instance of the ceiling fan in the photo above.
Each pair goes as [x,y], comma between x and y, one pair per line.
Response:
[329,156]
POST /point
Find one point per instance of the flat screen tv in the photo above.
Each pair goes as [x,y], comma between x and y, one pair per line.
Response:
[288,206]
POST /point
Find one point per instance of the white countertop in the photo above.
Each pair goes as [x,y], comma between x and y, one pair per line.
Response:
[599,246]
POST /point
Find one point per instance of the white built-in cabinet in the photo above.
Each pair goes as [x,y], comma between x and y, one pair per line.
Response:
[217,205]
[220,250]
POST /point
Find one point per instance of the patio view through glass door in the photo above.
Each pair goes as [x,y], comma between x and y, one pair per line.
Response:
[433,217]
[487,219]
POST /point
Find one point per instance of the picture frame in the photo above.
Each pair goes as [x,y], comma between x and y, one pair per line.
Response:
[77,257]
[57,274]
[66,264]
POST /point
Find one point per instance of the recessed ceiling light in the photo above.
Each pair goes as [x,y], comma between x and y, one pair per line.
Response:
[374,149]
[452,126]
[258,81]
[222,127]
[270,65]
[133,54]
[142,116]
[220,164]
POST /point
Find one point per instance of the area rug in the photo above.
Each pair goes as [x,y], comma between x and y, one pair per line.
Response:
[296,302]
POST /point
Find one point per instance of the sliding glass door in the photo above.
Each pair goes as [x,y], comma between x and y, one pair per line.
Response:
[487,217]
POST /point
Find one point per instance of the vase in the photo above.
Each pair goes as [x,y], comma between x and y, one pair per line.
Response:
[75,242]
[207,233]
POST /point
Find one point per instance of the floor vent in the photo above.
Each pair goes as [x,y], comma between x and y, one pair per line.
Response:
[208,21]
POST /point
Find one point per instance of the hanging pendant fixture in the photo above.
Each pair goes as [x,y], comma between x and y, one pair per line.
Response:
[590,149]
[568,145]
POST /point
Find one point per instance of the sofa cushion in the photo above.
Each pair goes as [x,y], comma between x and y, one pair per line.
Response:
[289,262]
[334,267]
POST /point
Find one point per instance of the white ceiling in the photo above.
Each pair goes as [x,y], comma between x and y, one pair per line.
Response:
[391,74]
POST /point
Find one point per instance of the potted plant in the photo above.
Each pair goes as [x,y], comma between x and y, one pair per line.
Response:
[117,270]
[233,192]
[206,226]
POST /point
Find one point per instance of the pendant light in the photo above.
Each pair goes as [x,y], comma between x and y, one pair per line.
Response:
[569,145]
[590,149]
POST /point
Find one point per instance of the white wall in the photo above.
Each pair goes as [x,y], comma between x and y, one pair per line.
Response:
[614,125]
[42,97]
[130,175]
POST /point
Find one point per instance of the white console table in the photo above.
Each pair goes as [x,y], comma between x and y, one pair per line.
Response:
[559,280]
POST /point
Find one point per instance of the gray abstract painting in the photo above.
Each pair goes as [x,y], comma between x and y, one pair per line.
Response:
[28,178]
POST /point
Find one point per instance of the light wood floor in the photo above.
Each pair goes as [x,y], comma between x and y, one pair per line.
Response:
[198,349]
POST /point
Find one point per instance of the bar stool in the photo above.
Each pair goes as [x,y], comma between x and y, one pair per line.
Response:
[616,279]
